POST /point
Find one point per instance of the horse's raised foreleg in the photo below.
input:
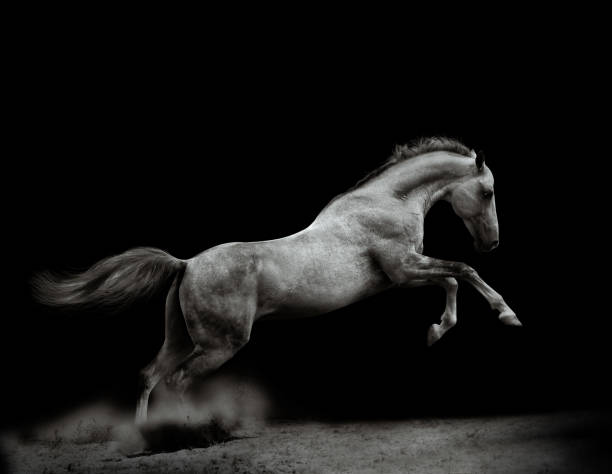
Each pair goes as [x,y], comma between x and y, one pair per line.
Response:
[415,266]
[449,317]
[506,315]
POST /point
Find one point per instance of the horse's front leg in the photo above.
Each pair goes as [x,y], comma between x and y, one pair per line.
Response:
[506,315]
[414,266]
[449,317]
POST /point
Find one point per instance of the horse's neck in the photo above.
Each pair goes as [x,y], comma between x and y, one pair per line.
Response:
[421,181]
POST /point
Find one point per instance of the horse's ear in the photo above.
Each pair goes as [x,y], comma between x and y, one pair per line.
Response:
[480,160]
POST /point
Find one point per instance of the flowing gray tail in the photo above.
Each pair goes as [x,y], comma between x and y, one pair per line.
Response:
[111,284]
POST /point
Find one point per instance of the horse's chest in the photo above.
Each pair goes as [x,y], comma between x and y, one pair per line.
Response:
[412,235]
[413,243]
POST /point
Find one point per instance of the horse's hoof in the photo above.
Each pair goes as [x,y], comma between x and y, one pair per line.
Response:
[510,319]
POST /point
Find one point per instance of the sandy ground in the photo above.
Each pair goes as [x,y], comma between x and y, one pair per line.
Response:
[562,442]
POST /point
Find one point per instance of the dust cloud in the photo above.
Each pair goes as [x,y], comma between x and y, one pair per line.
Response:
[220,409]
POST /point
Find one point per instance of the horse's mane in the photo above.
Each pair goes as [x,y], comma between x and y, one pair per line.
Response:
[411,149]
[414,148]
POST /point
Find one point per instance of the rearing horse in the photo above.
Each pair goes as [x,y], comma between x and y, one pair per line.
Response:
[364,241]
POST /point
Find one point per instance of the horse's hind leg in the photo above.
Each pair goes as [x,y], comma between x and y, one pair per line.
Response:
[215,344]
[200,363]
[177,345]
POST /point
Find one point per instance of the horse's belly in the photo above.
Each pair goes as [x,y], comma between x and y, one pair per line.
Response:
[312,300]
[304,277]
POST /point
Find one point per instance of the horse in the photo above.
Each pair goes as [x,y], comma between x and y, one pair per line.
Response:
[366,240]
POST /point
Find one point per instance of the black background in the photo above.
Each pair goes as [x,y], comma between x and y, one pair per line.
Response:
[129,143]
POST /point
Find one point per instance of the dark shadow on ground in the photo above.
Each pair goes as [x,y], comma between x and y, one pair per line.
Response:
[164,437]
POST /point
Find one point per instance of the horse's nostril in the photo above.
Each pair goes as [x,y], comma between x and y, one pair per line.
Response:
[494,244]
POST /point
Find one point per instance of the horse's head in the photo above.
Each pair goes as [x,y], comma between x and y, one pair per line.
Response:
[474,201]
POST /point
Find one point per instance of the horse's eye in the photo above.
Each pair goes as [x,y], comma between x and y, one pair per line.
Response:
[487,194]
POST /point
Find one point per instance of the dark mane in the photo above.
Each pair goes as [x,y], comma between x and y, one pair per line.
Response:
[415,148]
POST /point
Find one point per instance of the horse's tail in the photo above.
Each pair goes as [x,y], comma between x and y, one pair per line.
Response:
[111,284]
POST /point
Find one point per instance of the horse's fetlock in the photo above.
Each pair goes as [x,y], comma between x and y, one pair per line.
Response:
[500,305]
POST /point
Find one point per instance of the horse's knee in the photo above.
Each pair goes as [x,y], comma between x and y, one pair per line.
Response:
[467,272]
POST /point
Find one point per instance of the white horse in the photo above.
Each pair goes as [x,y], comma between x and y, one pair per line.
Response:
[364,241]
